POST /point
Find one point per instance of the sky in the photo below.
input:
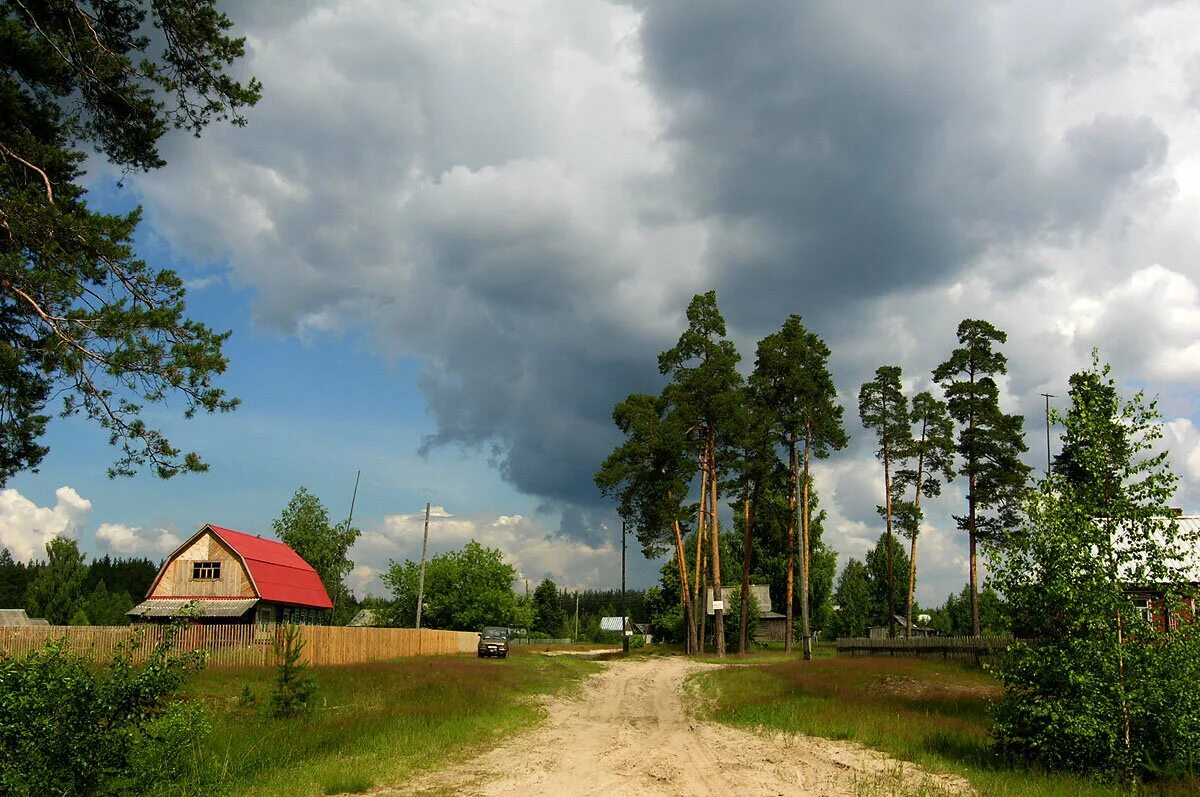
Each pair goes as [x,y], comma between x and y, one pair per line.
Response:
[454,234]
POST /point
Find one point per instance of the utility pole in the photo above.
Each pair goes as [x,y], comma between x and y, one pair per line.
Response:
[421,578]
[1048,397]
[624,614]
[577,615]
[350,517]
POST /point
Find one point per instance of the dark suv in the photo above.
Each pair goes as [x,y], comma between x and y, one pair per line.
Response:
[493,642]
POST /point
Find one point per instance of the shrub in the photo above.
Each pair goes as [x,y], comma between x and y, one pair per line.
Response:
[69,727]
[294,683]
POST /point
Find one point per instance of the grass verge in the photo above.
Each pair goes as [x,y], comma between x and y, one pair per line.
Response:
[931,713]
[372,725]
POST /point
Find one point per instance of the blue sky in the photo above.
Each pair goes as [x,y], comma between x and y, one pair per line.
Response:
[453,235]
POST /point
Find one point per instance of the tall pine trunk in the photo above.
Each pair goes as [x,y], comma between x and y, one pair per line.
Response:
[747,543]
[891,578]
[700,601]
[806,552]
[791,546]
[684,593]
[715,536]
[916,532]
[971,518]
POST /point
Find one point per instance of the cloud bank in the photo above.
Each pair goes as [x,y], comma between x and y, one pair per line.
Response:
[525,196]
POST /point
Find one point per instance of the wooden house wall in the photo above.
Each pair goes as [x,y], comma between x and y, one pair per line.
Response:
[177,581]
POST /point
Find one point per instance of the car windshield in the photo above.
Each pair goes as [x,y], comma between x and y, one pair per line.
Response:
[495,633]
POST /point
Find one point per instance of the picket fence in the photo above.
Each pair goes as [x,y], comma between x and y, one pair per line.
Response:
[244,645]
[975,648]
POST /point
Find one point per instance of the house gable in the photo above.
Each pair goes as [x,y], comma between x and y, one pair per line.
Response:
[175,580]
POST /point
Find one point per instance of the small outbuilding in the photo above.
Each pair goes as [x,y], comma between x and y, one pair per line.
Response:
[918,630]
[222,576]
[772,626]
[17,618]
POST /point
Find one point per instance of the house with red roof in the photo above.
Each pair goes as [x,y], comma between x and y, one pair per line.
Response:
[226,576]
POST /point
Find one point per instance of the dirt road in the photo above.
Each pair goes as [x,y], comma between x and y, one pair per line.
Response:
[627,733]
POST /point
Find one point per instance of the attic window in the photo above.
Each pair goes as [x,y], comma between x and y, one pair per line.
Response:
[206,571]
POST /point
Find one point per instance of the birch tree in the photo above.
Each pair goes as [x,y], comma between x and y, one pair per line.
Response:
[1100,687]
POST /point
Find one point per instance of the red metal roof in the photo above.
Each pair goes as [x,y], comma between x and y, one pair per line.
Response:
[278,572]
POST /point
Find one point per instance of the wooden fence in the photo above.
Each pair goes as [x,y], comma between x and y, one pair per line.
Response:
[975,648]
[245,645]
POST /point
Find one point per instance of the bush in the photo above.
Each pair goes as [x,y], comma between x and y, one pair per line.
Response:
[1062,705]
[68,727]
[294,683]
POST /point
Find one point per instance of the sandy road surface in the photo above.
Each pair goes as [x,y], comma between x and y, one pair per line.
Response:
[626,733]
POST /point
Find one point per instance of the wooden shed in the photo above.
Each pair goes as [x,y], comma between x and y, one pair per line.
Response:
[225,576]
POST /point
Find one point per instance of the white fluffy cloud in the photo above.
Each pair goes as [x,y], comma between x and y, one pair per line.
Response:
[130,540]
[25,527]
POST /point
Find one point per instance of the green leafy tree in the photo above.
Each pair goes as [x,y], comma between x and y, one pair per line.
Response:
[80,315]
[704,394]
[883,409]
[927,463]
[954,616]
[465,590]
[102,607]
[854,602]
[886,593]
[14,581]
[304,525]
[1096,686]
[548,615]
[56,593]
[792,377]
[990,442]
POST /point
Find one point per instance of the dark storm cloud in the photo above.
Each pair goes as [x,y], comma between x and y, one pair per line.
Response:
[515,201]
[843,155]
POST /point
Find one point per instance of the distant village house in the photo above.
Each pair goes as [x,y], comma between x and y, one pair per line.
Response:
[223,576]
[772,626]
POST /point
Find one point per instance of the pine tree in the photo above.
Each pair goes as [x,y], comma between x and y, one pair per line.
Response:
[649,474]
[928,462]
[792,377]
[884,410]
[80,315]
[704,391]
[990,442]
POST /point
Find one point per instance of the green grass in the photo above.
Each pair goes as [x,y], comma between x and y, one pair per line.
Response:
[932,713]
[372,725]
